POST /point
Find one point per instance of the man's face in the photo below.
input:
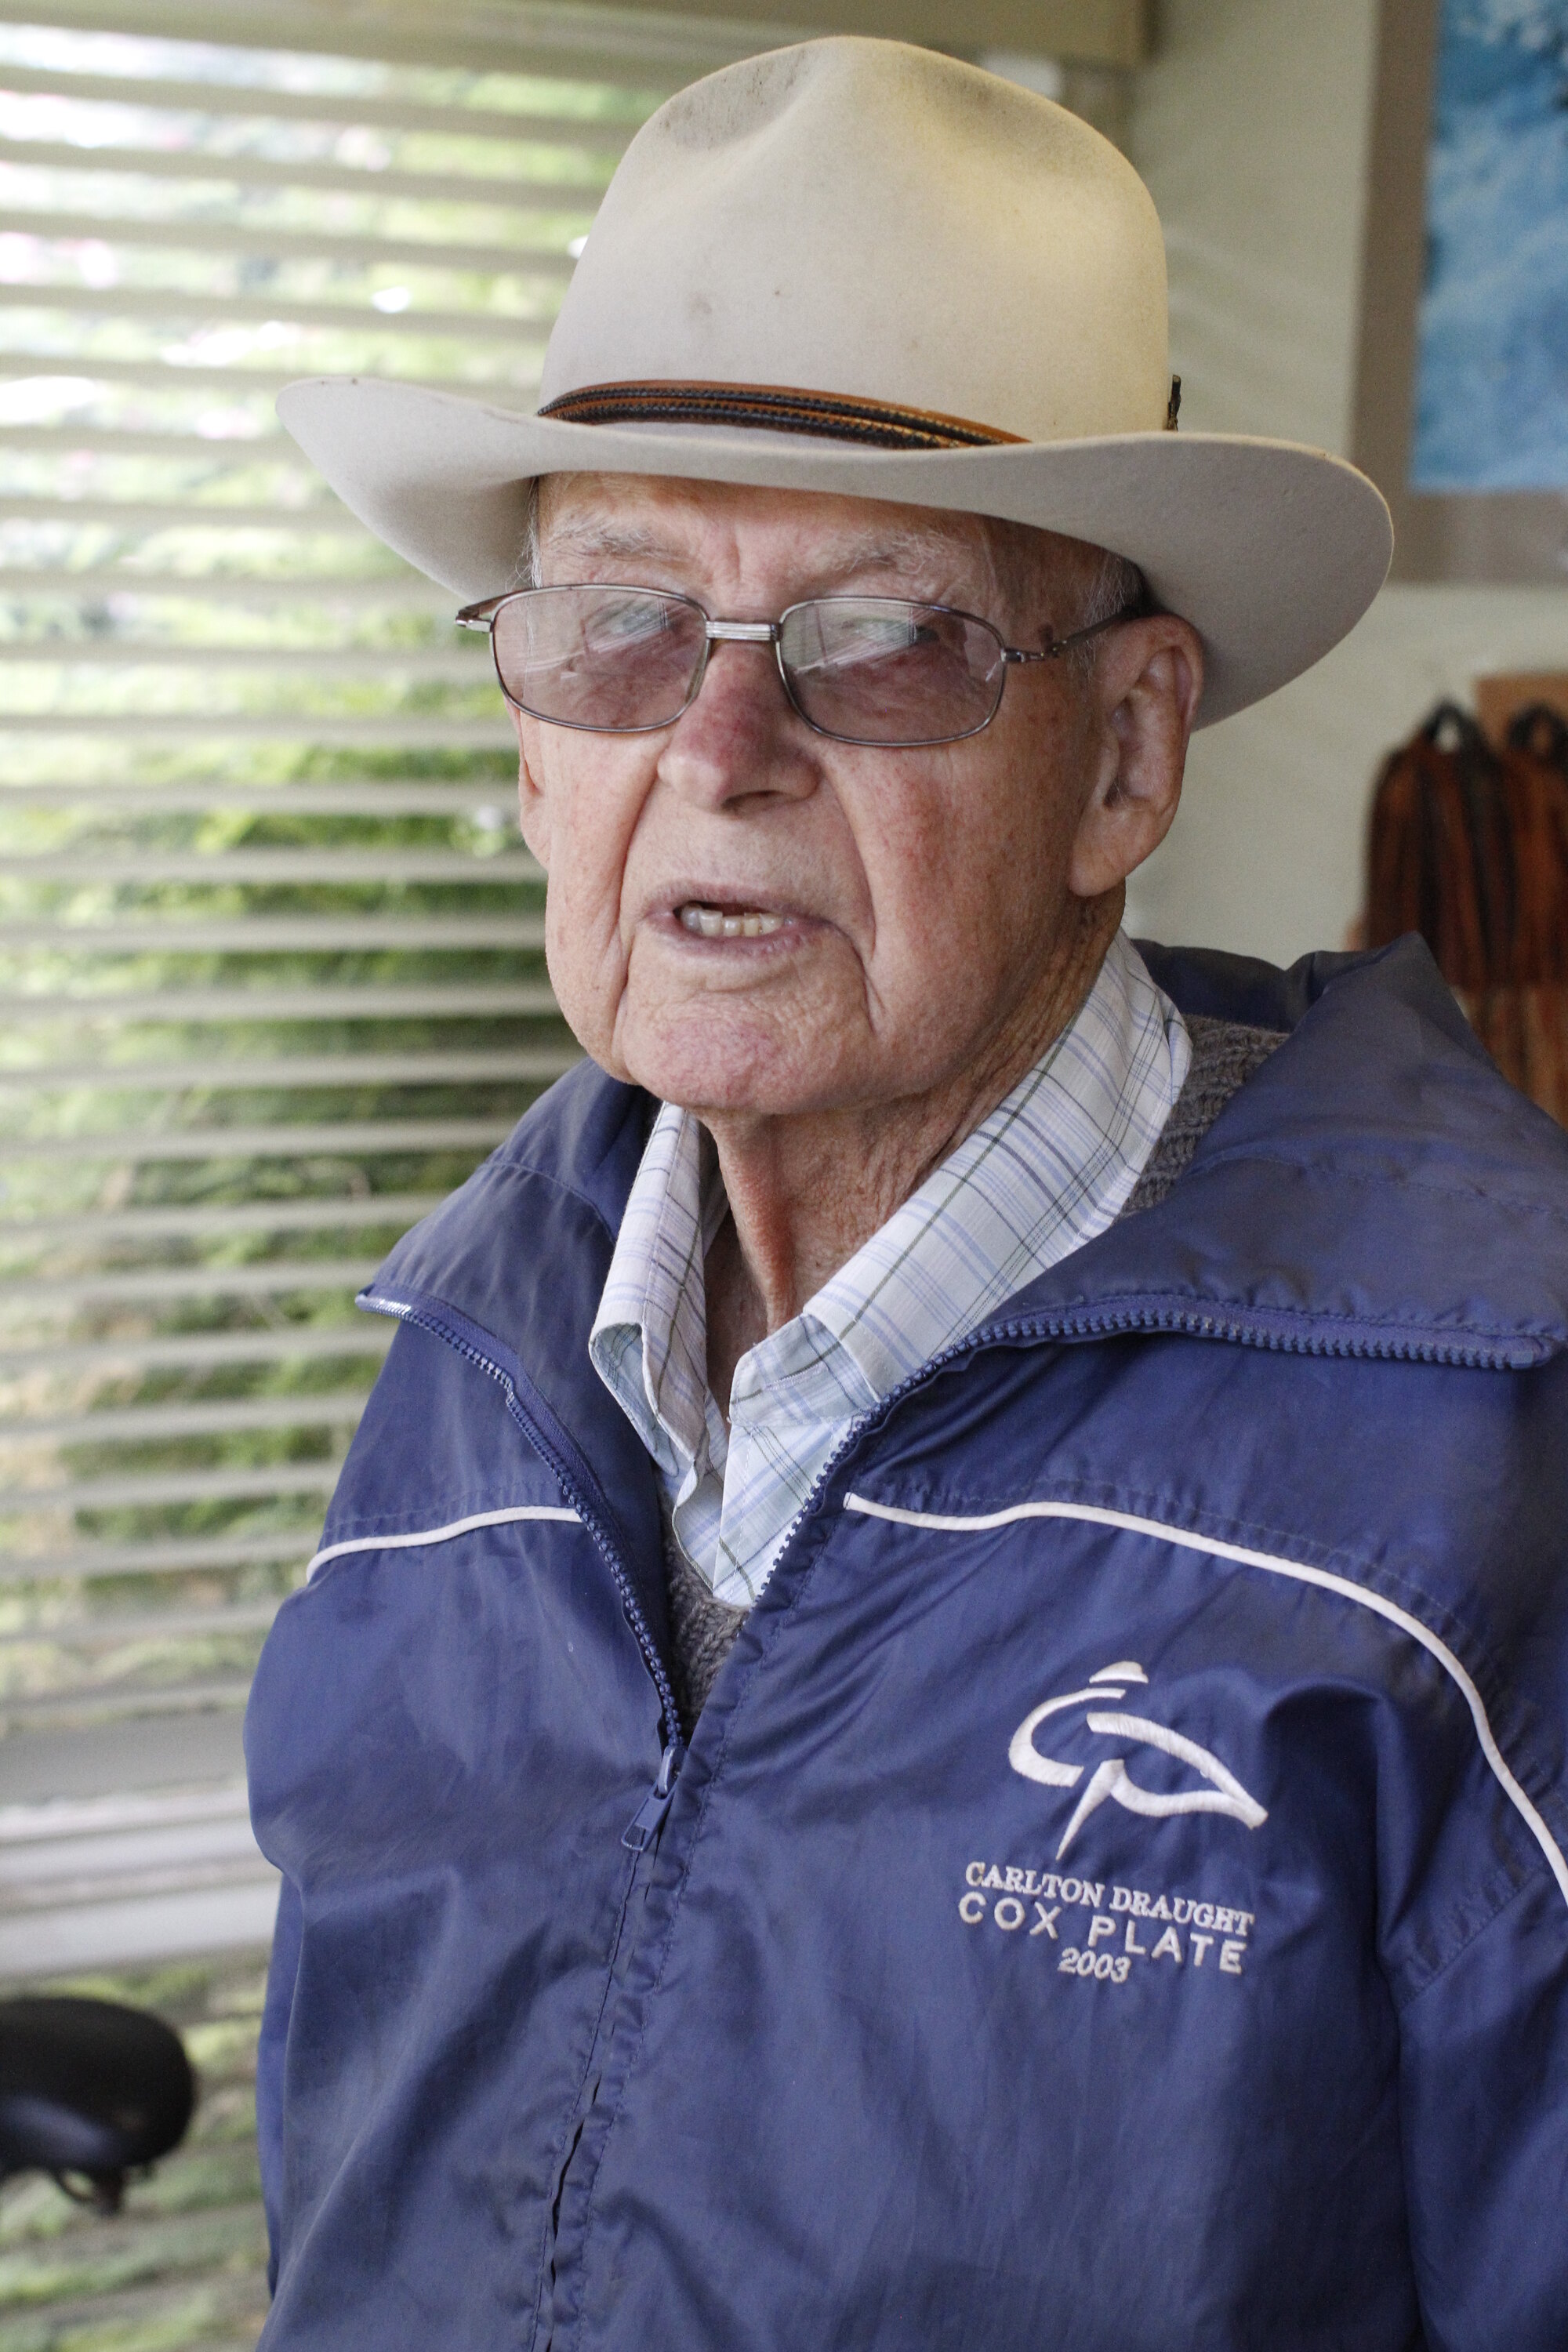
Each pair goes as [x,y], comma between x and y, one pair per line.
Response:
[902,904]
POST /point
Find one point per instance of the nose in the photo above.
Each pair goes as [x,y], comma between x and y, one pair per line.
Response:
[739,739]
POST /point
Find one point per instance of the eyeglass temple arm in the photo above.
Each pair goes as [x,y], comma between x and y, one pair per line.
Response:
[481,615]
[1079,636]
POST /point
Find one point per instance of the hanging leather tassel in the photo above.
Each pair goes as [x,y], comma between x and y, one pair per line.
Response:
[1438,856]
[1470,846]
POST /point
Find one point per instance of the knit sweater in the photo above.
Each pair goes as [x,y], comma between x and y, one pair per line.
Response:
[702,1629]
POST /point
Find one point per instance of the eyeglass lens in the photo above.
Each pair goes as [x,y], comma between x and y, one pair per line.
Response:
[867,669]
[608,658]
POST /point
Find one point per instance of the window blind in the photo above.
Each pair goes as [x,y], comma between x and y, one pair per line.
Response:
[271,978]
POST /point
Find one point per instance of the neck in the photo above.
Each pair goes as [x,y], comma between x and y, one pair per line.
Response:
[806,1190]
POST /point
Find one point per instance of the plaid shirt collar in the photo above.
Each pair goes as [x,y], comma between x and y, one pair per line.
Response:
[1048,1170]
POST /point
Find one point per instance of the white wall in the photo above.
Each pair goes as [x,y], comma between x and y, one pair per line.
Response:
[1251,127]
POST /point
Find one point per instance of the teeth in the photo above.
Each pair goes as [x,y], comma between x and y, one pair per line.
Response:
[713,923]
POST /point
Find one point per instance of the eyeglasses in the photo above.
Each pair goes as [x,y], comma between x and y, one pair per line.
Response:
[862,669]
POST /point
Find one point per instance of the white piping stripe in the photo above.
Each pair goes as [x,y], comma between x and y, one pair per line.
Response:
[1273,1566]
[443,1535]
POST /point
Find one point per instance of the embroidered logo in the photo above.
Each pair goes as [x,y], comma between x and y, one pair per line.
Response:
[1223,1794]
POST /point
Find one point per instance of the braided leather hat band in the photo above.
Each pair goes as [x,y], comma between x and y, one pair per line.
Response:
[775,407]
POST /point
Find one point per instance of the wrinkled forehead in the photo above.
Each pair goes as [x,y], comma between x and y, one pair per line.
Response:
[595,518]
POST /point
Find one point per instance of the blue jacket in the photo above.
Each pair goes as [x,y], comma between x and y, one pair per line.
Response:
[1115,1896]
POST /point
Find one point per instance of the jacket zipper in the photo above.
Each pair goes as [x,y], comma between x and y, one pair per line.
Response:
[1114,1324]
[1118,1323]
[642,1831]
[644,1825]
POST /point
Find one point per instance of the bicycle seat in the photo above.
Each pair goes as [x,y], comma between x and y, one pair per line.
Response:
[89,2090]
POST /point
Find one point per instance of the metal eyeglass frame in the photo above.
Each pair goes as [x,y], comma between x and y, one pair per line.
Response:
[483,615]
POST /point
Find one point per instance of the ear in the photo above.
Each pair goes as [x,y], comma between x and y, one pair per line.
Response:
[1144,687]
[532,801]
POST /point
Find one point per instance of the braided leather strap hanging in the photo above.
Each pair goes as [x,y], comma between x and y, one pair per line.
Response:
[1470,846]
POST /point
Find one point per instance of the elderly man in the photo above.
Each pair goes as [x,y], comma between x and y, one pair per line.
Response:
[932,1710]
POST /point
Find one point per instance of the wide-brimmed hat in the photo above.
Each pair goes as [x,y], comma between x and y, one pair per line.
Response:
[857,267]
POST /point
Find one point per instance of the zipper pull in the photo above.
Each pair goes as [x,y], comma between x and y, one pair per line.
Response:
[644,1827]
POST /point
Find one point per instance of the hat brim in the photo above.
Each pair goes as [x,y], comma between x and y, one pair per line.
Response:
[1272,551]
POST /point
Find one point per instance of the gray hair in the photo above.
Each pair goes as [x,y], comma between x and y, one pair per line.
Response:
[530,568]
[1118,586]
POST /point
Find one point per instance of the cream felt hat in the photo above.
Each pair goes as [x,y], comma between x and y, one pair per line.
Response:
[857,267]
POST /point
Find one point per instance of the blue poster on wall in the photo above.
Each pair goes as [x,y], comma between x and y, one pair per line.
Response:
[1491,370]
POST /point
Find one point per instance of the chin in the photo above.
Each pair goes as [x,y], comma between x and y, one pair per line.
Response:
[720,1090]
[710,1064]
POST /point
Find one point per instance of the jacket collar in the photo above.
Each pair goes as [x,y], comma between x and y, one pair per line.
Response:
[1375,1189]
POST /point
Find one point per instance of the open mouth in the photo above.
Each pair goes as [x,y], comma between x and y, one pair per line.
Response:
[709,922]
